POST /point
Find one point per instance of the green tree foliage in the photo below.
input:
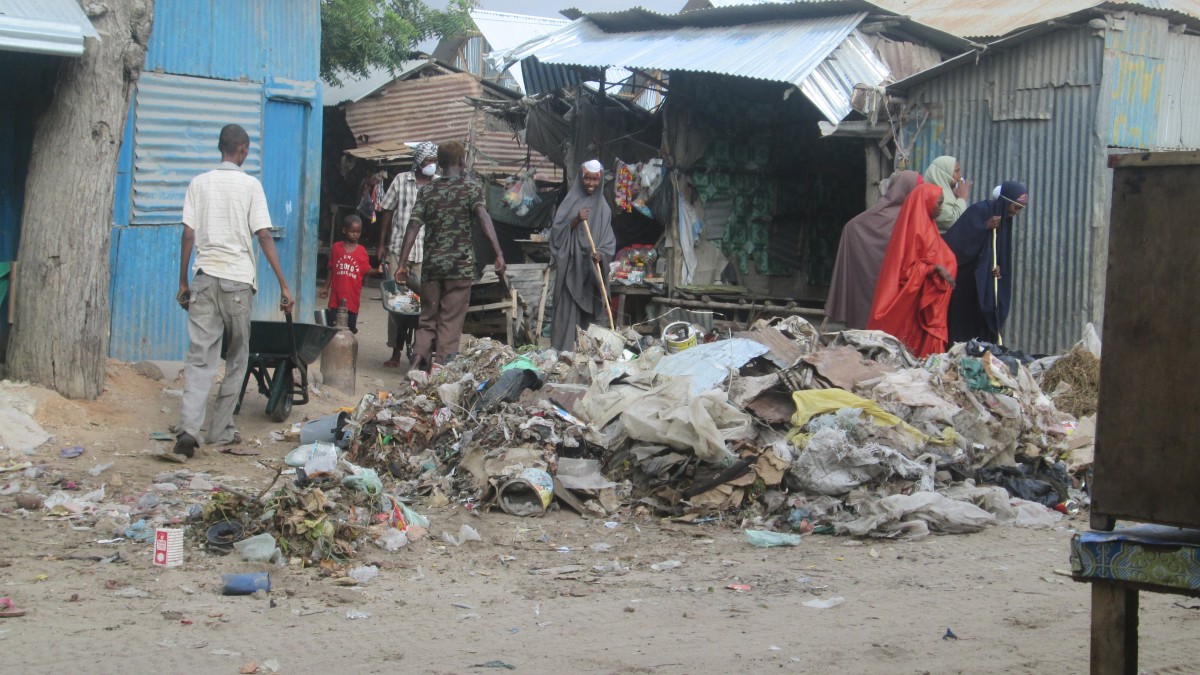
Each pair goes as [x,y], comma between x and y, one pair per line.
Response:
[359,35]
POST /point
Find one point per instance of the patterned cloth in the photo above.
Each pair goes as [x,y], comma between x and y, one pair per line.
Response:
[1147,554]
[401,197]
[444,208]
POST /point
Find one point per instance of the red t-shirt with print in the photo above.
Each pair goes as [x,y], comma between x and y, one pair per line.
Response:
[348,269]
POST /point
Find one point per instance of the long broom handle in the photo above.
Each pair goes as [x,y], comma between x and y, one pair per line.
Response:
[600,277]
[996,290]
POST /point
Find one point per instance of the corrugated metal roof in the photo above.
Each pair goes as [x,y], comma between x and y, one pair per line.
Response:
[55,27]
[994,18]
[237,40]
[800,54]
[730,13]
[435,109]
[354,88]
[503,31]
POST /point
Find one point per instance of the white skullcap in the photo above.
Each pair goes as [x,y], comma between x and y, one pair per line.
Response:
[593,166]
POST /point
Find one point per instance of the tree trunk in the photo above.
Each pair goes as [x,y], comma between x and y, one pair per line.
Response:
[60,331]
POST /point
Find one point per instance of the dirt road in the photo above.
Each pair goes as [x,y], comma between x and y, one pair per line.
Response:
[481,608]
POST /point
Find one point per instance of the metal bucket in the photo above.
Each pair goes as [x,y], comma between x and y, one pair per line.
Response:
[327,429]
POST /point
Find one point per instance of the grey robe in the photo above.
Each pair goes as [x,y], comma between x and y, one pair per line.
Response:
[578,299]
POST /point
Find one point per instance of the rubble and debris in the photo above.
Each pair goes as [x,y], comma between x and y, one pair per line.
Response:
[792,431]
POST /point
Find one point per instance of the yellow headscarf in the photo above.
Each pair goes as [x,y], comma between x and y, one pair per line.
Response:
[941,174]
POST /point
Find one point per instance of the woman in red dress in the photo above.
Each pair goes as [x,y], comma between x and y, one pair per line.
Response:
[912,295]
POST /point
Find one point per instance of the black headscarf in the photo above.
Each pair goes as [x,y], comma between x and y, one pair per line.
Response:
[978,309]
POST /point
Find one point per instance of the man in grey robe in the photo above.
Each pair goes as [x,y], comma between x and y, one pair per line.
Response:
[578,293]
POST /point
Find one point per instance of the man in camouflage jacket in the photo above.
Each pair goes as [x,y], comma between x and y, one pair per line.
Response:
[446,209]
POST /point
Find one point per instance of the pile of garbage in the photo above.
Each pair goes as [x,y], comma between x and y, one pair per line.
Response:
[779,429]
[778,426]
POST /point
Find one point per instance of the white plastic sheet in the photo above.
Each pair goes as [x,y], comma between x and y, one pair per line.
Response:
[707,366]
[893,515]
[671,414]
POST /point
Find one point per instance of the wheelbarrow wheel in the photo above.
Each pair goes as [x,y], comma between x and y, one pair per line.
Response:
[279,405]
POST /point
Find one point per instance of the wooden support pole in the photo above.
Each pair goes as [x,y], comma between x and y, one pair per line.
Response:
[1114,629]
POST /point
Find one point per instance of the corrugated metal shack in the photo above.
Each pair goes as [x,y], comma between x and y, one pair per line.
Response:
[210,63]
[753,93]
[1046,105]
[35,35]
[433,103]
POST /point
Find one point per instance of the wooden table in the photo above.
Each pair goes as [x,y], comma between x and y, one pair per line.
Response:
[623,293]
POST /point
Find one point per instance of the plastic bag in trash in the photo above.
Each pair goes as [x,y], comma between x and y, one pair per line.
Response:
[413,518]
[364,480]
[465,533]
[768,539]
[259,548]
[392,540]
[401,299]
[363,574]
[508,387]
[916,514]
[323,459]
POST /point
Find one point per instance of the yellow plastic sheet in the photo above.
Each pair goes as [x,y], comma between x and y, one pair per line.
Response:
[813,402]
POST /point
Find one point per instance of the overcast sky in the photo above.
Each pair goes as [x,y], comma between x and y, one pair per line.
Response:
[551,7]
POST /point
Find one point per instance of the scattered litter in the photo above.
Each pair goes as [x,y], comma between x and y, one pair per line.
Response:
[555,571]
[71,452]
[363,574]
[355,614]
[766,539]
[666,565]
[825,604]
[465,533]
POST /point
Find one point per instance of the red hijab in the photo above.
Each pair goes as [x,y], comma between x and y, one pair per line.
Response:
[911,297]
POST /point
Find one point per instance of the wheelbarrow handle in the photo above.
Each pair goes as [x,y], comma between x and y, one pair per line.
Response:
[292,332]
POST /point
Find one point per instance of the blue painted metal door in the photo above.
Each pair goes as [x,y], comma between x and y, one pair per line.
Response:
[285,129]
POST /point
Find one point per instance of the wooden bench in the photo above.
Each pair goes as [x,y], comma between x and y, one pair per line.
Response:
[1121,564]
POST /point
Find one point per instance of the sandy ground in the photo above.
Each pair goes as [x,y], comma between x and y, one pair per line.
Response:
[440,609]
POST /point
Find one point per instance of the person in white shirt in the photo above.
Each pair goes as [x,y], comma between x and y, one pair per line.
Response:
[397,208]
[224,211]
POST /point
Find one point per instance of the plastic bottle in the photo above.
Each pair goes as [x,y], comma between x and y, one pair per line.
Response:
[339,360]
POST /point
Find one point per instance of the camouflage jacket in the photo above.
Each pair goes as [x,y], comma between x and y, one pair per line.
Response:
[444,207]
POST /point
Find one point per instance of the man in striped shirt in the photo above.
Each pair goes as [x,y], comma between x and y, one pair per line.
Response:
[397,207]
[224,212]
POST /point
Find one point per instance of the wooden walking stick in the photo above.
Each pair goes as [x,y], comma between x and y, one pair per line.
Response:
[996,291]
[600,276]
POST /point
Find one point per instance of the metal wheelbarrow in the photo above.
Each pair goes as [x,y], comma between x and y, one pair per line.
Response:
[278,351]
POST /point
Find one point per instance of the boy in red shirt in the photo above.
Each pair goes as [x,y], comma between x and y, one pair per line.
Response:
[348,264]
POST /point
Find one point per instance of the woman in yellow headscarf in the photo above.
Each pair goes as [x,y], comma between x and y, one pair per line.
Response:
[946,173]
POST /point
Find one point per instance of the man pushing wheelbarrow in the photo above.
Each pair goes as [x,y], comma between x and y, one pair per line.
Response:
[224,211]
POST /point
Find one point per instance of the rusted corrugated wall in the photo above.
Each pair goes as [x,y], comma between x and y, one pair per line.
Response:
[436,109]
[1031,114]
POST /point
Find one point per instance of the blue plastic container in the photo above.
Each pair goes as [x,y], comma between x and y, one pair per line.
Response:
[245,584]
